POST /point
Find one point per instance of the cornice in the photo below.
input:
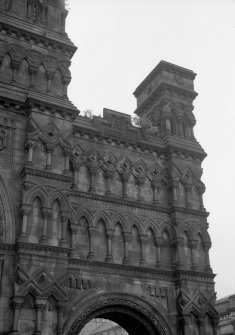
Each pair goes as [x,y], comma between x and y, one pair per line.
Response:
[194,275]
[6,248]
[41,250]
[26,32]
[137,270]
[33,171]
[159,146]
[135,204]
[159,91]
[164,66]
[175,209]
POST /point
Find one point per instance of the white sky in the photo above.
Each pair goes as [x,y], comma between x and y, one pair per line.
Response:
[120,41]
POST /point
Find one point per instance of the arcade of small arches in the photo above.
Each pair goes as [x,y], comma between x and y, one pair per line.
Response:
[33,70]
[114,239]
[109,176]
[168,118]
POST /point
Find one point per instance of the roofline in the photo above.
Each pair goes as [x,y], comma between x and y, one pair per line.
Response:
[163,65]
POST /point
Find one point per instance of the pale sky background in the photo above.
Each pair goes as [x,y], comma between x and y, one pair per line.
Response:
[120,41]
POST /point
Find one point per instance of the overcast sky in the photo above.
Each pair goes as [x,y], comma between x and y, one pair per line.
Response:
[120,41]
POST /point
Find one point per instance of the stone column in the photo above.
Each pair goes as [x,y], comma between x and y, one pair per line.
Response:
[201,190]
[201,325]
[25,210]
[39,306]
[16,304]
[49,80]
[143,241]
[46,213]
[60,312]
[181,128]
[16,67]
[126,238]
[174,191]
[109,176]
[188,188]
[29,145]
[33,73]
[159,243]
[156,188]
[73,229]
[125,179]
[140,182]
[67,153]
[193,245]
[109,235]
[215,323]
[66,81]
[207,246]
[49,150]
[91,254]
[168,125]
[185,320]
[179,243]
[93,171]
[65,218]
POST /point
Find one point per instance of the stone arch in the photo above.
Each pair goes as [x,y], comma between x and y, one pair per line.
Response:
[121,219]
[185,226]
[135,221]
[61,198]
[203,232]
[8,218]
[135,314]
[103,216]
[151,224]
[166,226]
[34,192]
[87,214]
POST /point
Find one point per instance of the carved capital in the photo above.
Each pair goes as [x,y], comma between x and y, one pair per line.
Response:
[50,147]
[30,143]
[110,233]
[177,242]
[73,228]
[159,241]
[125,177]
[126,236]
[92,231]
[143,238]
[46,212]
[25,209]
[206,246]
[140,180]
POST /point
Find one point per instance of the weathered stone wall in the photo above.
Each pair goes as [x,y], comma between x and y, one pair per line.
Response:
[96,213]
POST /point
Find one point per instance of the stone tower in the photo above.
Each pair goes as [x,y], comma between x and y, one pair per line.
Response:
[98,218]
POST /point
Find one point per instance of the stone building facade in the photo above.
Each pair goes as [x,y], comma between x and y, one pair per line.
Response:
[98,218]
[226,310]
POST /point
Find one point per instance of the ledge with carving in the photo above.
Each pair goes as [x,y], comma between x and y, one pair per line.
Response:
[57,42]
[140,271]
[139,142]
[194,275]
[27,250]
[164,66]
[158,92]
[7,248]
[37,172]
[133,203]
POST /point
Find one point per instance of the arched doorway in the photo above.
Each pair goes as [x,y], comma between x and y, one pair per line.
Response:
[132,313]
